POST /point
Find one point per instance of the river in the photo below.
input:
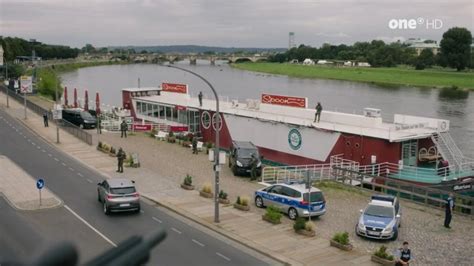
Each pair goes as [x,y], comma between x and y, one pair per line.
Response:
[238,84]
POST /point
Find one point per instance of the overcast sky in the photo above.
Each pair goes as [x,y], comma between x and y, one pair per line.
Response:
[230,23]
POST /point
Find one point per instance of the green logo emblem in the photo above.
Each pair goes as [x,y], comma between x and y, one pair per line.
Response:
[294,139]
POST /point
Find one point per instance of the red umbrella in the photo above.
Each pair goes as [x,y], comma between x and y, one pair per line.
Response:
[97,103]
[65,96]
[75,98]
[86,101]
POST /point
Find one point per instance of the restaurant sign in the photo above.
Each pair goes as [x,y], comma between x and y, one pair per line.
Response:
[299,102]
[174,87]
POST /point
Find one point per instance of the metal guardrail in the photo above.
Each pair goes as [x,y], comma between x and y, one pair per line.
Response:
[67,126]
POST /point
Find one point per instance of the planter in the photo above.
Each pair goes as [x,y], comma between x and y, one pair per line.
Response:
[382,261]
[242,207]
[306,232]
[112,155]
[206,195]
[338,245]
[186,144]
[224,201]
[187,187]
[265,218]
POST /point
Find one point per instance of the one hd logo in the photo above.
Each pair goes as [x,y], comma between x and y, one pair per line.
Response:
[412,24]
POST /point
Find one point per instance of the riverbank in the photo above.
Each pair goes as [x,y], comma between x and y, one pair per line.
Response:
[390,76]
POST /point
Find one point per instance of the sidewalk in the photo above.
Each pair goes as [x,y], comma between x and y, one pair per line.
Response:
[164,166]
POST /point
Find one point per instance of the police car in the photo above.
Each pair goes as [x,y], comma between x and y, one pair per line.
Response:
[292,199]
[380,219]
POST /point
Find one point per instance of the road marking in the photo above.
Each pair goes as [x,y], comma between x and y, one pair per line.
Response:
[176,230]
[90,226]
[39,148]
[142,211]
[63,164]
[56,159]
[158,220]
[197,242]
[88,180]
[79,174]
[222,256]
[32,143]
[43,150]
[50,155]
[71,169]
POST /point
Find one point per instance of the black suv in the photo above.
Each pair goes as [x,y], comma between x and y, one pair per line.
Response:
[241,156]
[79,118]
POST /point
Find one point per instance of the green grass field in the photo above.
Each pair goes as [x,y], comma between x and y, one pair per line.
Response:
[396,76]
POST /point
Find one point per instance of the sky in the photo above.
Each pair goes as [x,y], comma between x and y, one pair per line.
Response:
[230,23]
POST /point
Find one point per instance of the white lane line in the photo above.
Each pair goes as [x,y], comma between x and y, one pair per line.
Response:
[24,136]
[197,242]
[50,155]
[90,226]
[39,148]
[63,164]
[176,230]
[32,143]
[142,211]
[56,159]
[79,174]
[222,256]
[21,133]
[88,180]
[43,150]
[158,220]
[70,169]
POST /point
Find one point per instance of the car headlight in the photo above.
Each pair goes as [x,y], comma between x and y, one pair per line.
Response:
[259,164]
[388,230]
[239,164]
[361,225]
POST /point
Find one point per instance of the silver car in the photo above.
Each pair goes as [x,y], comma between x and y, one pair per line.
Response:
[292,199]
[118,194]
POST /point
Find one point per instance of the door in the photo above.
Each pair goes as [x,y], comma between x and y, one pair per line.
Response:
[410,152]
[274,196]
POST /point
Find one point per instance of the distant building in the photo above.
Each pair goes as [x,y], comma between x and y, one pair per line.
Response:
[421,44]
[363,64]
[308,62]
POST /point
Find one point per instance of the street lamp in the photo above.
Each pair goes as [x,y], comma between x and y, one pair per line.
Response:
[216,149]
[56,105]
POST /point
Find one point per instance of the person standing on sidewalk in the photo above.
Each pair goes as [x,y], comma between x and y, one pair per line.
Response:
[120,158]
[123,129]
[253,165]
[319,109]
[45,119]
[200,98]
[449,210]
[194,143]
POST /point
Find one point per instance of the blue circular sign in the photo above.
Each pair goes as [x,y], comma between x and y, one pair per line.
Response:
[294,139]
[40,183]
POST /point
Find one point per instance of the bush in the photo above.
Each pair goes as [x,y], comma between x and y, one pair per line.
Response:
[207,188]
[244,201]
[309,226]
[238,201]
[153,132]
[382,253]
[223,195]
[299,224]
[99,145]
[171,134]
[188,180]
[273,213]
[341,238]
[112,150]
[209,145]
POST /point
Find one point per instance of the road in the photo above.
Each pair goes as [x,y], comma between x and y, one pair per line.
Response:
[75,184]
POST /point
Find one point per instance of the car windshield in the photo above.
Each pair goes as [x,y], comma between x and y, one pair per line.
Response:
[315,197]
[247,153]
[379,211]
[122,190]
[87,116]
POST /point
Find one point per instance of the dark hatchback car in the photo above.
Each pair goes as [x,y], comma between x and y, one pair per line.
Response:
[241,156]
[79,118]
[118,194]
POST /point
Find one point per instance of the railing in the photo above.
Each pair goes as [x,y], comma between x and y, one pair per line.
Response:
[285,174]
[76,131]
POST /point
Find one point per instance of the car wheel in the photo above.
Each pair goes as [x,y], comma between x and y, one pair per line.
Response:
[138,209]
[395,235]
[106,209]
[81,126]
[292,213]
[234,170]
[259,202]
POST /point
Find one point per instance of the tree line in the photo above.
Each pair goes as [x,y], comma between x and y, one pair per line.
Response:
[455,52]
[14,47]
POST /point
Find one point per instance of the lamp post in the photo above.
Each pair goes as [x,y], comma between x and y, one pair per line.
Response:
[6,78]
[56,105]
[216,149]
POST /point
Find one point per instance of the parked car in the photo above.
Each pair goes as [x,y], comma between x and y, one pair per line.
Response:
[240,157]
[292,199]
[79,118]
[380,219]
[118,194]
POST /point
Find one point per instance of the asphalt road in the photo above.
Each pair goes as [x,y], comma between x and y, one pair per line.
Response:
[76,185]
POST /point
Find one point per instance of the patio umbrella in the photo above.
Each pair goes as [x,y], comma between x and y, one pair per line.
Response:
[65,96]
[75,98]
[86,101]
[97,103]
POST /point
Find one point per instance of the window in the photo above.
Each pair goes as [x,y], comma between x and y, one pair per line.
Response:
[161,111]
[149,109]
[139,107]
[167,113]
[123,190]
[175,115]
[286,191]
[315,196]
[155,110]
[182,117]
[277,190]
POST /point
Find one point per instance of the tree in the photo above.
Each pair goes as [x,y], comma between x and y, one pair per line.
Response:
[88,49]
[455,48]
[425,59]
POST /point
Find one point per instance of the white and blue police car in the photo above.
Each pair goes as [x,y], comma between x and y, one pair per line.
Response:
[380,219]
[292,199]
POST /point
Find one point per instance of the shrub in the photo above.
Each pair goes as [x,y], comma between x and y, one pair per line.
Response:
[341,238]
[238,201]
[209,145]
[207,188]
[223,195]
[153,132]
[99,145]
[171,134]
[112,150]
[299,224]
[382,253]
[188,180]
[244,201]
[309,226]
[273,213]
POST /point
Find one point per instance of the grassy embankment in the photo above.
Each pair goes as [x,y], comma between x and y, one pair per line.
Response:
[393,76]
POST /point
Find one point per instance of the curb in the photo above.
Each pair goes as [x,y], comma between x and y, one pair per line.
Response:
[213,227]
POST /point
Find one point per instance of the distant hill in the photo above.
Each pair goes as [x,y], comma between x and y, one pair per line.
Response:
[196,49]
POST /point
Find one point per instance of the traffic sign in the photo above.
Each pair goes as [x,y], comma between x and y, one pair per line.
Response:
[26,85]
[40,183]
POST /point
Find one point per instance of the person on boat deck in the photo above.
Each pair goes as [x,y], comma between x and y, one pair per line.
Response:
[403,255]
[200,98]
[319,109]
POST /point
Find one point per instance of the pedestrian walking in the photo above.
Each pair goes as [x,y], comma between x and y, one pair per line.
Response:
[123,129]
[449,210]
[200,98]
[319,109]
[45,119]
[253,165]
[194,144]
[403,255]
[120,158]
